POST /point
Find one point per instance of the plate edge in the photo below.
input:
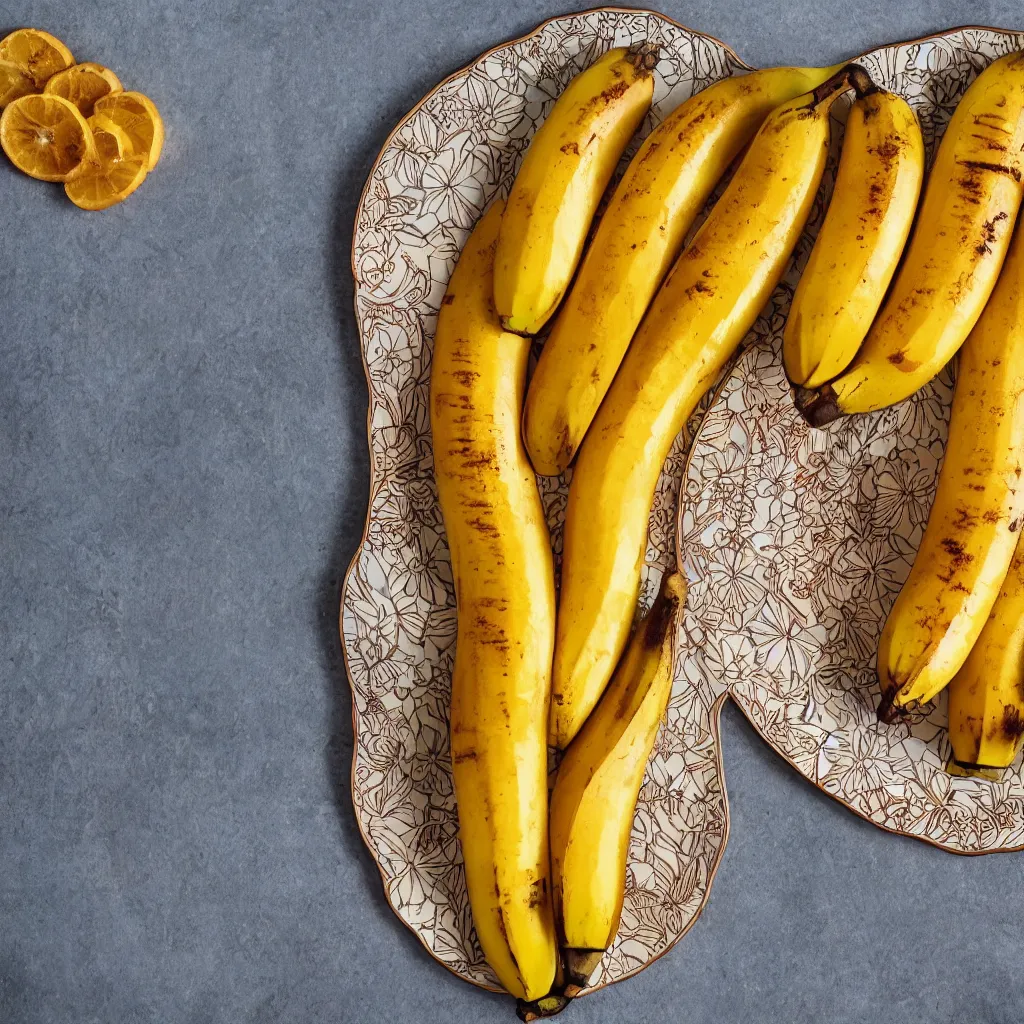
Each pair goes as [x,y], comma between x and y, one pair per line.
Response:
[715,711]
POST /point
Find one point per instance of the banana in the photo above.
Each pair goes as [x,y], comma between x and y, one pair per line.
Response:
[972,528]
[504,587]
[860,242]
[954,257]
[638,237]
[598,782]
[560,183]
[702,312]
[986,697]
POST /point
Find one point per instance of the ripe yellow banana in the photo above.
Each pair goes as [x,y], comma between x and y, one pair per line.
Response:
[972,527]
[860,242]
[639,236]
[597,786]
[504,588]
[704,309]
[954,257]
[560,183]
[986,697]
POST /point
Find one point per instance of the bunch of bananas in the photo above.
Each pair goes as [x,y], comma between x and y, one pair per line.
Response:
[961,283]
[959,619]
[641,324]
[950,266]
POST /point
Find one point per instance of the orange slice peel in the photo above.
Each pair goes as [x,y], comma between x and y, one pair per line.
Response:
[46,137]
[112,141]
[15,82]
[115,171]
[37,53]
[137,115]
[83,85]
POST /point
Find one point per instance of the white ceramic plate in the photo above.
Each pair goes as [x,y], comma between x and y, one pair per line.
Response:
[436,173]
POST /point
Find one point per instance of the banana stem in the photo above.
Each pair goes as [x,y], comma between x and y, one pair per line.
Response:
[850,76]
[862,83]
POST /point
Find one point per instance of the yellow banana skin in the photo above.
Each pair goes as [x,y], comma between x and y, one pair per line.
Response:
[504,586]
[704,309]
[951,265]
[639,236]
[860,242]
[596,790]
[986,697]
[973,525]
[561,180]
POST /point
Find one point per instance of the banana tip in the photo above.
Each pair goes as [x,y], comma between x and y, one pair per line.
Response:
[513,326]
[539,1009]
[888,711]
[645,55]
[818,408]
[580,964]
[968,769]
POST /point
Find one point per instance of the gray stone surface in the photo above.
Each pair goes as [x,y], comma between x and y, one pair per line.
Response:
[183,473]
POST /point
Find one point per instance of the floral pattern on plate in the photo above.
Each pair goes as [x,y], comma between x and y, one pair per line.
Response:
[798,541]
[437,172]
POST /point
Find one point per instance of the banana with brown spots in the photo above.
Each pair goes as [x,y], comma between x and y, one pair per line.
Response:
[505,598]
[706,306]
[598,783]
[955,254]
[561,180]
[986,697]
[976,516]
[860,242]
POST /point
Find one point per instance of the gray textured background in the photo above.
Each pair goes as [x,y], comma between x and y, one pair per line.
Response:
[183,478]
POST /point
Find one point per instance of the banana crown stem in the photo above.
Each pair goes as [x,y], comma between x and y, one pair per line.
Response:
[850,76]
[862,83]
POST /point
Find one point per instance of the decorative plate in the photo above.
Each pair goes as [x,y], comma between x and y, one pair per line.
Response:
[799,540]
[436,173]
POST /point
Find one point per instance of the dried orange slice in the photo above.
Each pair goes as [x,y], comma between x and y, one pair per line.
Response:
[115,172]
[46,137]
[14,82]
[138,116]
[37,53]
[112,141]
[83,84]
